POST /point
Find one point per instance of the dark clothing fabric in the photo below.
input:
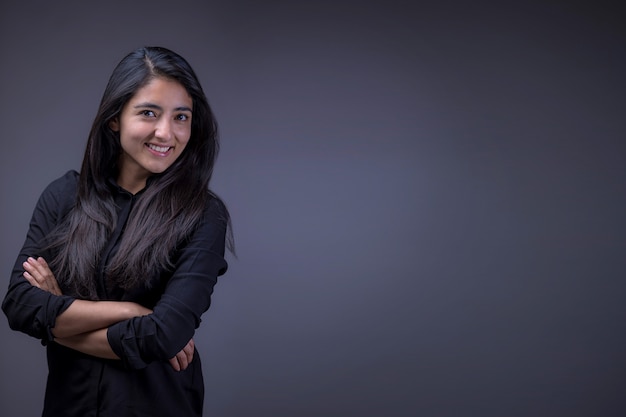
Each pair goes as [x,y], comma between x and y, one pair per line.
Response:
[143,382]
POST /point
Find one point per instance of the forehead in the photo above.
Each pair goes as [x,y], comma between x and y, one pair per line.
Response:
[164,92]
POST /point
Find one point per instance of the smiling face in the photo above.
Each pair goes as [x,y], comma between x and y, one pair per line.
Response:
[154,128]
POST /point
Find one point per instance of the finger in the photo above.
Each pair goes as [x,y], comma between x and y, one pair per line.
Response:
[34,266]
[41,275]
[188,350]
[34,262]
[28,263]
[174,363]
[32,281]
[41,266]
[27,266]
[182,359]
[33,272]
[42,262]
[179,361]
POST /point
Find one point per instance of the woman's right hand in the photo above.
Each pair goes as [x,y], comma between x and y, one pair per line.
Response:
[181,361]
[38,274]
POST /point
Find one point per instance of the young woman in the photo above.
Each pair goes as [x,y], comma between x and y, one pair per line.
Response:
[120,261]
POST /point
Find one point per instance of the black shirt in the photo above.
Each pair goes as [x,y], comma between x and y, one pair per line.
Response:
[143,382]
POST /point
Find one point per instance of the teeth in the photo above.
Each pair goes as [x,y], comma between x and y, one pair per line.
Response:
[161,149]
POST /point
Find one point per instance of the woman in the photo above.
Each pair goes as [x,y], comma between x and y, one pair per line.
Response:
[120,261]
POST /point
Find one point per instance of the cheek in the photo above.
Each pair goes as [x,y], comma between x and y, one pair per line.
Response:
[132,133]
[183,135]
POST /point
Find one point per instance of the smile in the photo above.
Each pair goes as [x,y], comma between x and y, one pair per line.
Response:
[159,149]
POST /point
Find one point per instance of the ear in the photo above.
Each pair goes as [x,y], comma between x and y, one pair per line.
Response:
[114,124]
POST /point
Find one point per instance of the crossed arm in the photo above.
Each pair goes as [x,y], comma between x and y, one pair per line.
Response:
[83,325]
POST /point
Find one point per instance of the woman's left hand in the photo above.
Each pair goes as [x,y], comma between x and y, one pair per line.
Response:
[38,274]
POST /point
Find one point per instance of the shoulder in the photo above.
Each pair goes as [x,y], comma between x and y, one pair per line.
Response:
[60,194]
[215,211]
[216,205]
[68,182]
[213,223]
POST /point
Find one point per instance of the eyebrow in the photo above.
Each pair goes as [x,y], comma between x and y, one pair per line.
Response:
[148,105]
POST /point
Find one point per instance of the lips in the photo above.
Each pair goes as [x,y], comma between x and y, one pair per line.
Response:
[161,150]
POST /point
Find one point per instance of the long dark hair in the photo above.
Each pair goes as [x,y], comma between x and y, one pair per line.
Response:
[168,210]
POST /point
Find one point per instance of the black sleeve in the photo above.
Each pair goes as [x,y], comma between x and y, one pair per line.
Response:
[30,309]
[162,334]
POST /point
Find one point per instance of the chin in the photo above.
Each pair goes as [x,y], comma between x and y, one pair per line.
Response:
[158,169]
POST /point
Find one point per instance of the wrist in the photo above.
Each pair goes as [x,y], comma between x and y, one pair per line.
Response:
[136,310]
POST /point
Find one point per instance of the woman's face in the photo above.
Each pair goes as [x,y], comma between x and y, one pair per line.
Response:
[154,128]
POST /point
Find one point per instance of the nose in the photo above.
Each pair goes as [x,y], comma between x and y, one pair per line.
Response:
[163,130]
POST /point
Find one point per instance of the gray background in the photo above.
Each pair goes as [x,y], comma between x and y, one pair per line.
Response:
[428,200]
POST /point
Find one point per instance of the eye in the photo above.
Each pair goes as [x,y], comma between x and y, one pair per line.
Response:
[182,117]
[147,113]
